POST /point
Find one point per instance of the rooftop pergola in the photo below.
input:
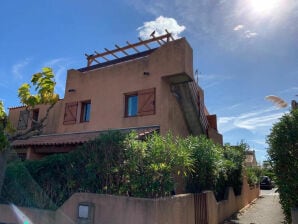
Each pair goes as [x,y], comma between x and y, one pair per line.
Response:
[124,51]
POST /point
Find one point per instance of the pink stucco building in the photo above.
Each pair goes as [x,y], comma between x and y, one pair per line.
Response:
[144,90]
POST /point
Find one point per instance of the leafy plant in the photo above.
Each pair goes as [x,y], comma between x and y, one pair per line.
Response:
[120,164]
[283,155]
[44,87]
[215,167]
[253,175]
[152,165]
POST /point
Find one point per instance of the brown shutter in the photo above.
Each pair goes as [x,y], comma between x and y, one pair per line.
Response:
[146,102]
[70,115]
[23,120]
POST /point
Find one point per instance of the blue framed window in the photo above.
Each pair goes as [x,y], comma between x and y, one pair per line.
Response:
[131,105]
[140,103]
[85,112]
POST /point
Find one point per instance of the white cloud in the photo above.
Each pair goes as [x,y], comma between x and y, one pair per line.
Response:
[210,80]
[250,121]
[17,68]
[59,66]
[238,27]
[54,62]
[248,34]
[159,25]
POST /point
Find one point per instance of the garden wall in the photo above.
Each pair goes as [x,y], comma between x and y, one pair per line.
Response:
[217,212]
[126,210]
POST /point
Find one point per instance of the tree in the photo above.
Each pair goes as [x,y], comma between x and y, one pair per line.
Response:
[44,84]
[283,155]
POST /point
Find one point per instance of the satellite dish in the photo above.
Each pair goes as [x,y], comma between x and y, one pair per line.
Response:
[280,103]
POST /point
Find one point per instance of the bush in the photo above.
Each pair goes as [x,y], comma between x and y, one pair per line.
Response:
[151,165]
[215,167]
[120,164]
[283,154]
[253,175]
[49,182]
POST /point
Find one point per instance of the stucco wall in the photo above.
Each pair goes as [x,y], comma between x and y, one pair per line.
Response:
[106,86]
[51,123]
[113,209]
[126,210]
[11,216]
[217,212]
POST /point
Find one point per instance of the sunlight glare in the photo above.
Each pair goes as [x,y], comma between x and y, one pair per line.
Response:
[264,6]
[22,218]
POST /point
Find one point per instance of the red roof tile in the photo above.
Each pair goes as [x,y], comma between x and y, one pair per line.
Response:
[75,138]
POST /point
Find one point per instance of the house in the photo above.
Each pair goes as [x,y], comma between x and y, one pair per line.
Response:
[146,86]
[250,159]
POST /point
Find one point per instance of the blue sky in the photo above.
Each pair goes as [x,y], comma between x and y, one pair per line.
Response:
[244,50]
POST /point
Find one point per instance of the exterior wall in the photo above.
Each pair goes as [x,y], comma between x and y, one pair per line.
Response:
[113,209]
[125,210]
[250,159]
[215,136]
[106,86]
[51,127]
[219,211]
[8,215]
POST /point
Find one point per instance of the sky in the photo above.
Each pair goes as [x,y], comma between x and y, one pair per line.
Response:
[244,50]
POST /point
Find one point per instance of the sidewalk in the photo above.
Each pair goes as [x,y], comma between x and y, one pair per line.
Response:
[265,210]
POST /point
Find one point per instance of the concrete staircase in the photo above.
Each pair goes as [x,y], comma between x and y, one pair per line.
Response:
[191,100]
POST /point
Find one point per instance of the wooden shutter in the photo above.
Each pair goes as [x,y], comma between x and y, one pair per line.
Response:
[70,115]
[146,102]
[23,120]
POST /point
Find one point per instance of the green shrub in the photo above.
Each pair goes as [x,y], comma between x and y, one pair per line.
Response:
[207,163]
[120,164]
[49,182]
[215,167]
[283,155]
[151,165]
[253,175]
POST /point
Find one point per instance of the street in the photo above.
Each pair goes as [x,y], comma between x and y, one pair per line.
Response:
[265,210]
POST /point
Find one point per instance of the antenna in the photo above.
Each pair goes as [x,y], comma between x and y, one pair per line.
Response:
[197,76]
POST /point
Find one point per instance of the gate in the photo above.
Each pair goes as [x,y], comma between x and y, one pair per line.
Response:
[200,209]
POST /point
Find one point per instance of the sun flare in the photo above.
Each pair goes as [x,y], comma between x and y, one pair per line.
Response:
[264,6]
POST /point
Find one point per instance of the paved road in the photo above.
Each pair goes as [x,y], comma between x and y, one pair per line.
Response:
[265,210]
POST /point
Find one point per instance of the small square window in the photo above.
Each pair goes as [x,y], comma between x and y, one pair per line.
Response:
[85,111]
[131,105]
[35,114]
[83,211]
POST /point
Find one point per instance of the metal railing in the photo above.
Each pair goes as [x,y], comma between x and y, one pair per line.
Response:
[196,93]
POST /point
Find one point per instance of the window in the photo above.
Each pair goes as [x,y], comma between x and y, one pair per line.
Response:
[140,103]
[132,105]
[85,111]
[22,156]
[35,114]
[23,120]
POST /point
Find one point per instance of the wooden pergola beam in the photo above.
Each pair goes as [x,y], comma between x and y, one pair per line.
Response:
[107,50]
[92,58]
[133,47]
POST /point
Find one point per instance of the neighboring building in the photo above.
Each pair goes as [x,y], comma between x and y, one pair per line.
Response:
[250,159]
[149,90]
[294,104]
